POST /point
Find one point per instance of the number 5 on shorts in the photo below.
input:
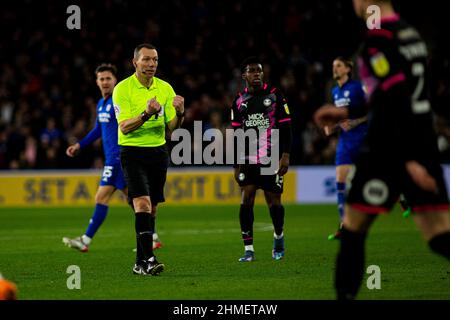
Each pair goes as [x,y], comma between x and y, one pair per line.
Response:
[107,173]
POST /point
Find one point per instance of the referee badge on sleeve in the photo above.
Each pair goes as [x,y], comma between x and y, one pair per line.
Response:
[286,108]
[117,110]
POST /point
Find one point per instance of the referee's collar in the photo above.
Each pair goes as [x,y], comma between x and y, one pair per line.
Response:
[140,85]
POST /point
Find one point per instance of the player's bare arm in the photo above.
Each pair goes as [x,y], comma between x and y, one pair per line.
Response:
[349,124]
[329,115]
[237,170]
[330,129]
[284,164]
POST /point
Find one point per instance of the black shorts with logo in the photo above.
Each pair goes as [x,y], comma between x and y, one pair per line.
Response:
[250,174]
[145,171]
[378,182]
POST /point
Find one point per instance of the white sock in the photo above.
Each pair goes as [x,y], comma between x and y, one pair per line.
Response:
[86,240]
[278,237]
[155,237]
[249,248]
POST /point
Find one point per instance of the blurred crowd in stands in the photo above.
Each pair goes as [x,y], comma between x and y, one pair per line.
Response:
[48,93]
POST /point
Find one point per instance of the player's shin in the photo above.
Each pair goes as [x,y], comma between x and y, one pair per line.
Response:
[340,188]
[277,215]
[97,219]
[246,219]
[350,264]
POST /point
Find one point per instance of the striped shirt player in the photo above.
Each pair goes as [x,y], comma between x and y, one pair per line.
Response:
[262,111]
[392,64]
[261,107]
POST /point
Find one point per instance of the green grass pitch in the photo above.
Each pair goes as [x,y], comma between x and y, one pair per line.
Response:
[201,247]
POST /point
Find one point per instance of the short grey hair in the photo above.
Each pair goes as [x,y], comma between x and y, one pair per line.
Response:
[139,47]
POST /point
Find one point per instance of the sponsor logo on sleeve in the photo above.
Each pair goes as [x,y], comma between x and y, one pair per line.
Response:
[380,65]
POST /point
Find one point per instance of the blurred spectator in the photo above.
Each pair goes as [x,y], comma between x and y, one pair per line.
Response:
[50,134]
[3,147]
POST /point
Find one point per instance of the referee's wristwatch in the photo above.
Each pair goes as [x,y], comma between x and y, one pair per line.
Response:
[180,115]
[145,116]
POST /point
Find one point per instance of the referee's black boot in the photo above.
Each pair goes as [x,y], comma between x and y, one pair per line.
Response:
[153,267]
[139,268]
[148,267]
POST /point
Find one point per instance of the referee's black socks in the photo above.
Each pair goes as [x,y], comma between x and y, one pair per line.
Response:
[152,223]
[441,244]
[350,264]
[144,236]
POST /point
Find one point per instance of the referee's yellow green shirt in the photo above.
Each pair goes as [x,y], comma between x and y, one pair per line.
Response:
[130,100]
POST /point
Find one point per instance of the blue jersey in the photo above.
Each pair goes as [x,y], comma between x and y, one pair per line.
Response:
[350,95]
[106,127]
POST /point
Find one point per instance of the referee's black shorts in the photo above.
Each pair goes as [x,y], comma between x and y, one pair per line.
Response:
[380,179]
[145,171]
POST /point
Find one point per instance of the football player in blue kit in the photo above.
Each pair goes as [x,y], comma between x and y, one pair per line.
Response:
[347,93]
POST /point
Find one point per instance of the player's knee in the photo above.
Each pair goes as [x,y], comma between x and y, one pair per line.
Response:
[274,203]
[248,200]
[273,200]
[440,244]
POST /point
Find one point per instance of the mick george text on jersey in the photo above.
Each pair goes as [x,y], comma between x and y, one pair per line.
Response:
[257,144]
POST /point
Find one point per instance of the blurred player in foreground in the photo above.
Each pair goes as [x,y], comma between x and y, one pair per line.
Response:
[399,154]
[8,290]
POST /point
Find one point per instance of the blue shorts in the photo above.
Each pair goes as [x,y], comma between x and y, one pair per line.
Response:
[112,175]
[347,151]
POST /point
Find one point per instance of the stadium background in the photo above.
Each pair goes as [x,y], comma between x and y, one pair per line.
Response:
[47,85]
[47,101]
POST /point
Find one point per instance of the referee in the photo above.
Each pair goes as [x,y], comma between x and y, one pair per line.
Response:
[144,105]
